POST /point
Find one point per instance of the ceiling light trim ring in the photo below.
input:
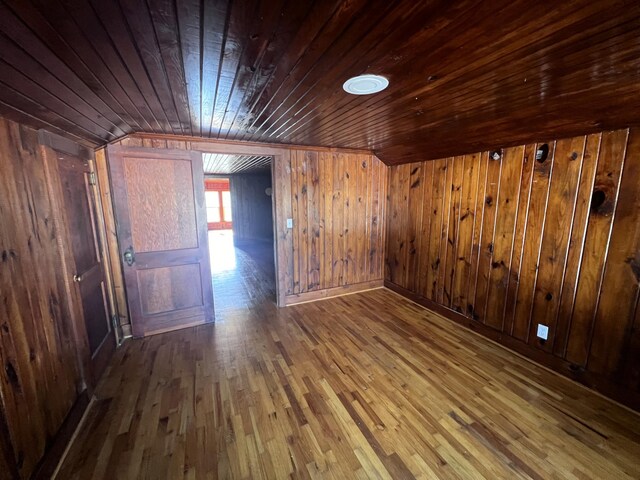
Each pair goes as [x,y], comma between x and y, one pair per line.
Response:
[365,84]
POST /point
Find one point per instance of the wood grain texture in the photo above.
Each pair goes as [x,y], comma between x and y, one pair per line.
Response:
[272,71]
[351,245]
[172,246]
[336,199]
[364,386]
[158,221]
[41,377]
[76,210]
[166,289]
[550,244]
[114,268]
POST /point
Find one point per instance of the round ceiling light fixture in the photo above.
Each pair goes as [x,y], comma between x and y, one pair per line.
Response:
[365,84]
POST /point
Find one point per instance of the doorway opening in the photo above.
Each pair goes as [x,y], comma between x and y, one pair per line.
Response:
[239,204]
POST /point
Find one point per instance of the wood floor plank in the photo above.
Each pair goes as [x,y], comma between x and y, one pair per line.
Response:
[368,385]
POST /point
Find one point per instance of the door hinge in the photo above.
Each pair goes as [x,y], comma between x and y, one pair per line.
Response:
[92,178]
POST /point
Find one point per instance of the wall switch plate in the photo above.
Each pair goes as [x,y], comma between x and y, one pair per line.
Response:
[543,331]
[289,222]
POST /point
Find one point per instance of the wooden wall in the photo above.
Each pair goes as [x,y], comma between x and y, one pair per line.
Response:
[504,245]
[335,198]
[40,378]
[251,206]
[337,206]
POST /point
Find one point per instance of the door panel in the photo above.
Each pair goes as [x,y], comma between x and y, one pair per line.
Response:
[161,203]
[80,209]
[167,289]
[161,219]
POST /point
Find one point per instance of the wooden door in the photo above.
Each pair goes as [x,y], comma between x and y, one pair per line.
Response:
[162,233]
[80,209]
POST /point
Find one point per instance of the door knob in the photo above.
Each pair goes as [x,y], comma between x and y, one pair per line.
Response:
[129,256]
[77,278]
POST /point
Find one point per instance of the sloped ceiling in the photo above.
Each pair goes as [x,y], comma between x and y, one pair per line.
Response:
[464,75]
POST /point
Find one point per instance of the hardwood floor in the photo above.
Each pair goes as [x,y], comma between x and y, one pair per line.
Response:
[244,277]
[368,386]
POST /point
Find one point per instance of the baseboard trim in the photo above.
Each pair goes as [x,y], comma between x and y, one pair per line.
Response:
[594,382]
[52,457]
[332,292]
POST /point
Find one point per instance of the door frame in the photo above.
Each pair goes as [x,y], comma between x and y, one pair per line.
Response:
[278,193]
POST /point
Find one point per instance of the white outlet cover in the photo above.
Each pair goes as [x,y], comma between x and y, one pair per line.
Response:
[543,331]
[289,222]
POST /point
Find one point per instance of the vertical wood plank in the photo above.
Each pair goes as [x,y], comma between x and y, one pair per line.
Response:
[454,224]
[506,209]
[349,226]
[437,206]
[375,217]
[414,208]
[532,241]
[337,208]
[313,220]
[326,160]
[478,225]
[608,172]
[615,313]
[576,243]
[295,214]
[395,239]
[366,220]
[303,213]
[425,227]
[528,162]
[281,181]
[382,218]
[321,219]
[467,215]
[444,233]
[361,170]
[492,188]
[555,243]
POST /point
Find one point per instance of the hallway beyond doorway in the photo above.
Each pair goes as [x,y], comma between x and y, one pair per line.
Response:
[243,274]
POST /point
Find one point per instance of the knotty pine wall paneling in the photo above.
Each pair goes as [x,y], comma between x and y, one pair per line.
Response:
[40,378]
[502,245]
[338,207]
[336,199]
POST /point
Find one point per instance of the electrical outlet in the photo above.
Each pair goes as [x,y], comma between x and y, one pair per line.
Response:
[289,222]
[543,331]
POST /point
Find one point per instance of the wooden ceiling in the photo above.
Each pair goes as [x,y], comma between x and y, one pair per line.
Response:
[464,76]
[223,164]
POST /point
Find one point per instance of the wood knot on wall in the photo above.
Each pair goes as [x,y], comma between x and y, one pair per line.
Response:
[12,376]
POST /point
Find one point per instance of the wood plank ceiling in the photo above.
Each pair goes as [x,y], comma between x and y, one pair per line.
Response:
[223,164]
[464,75]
